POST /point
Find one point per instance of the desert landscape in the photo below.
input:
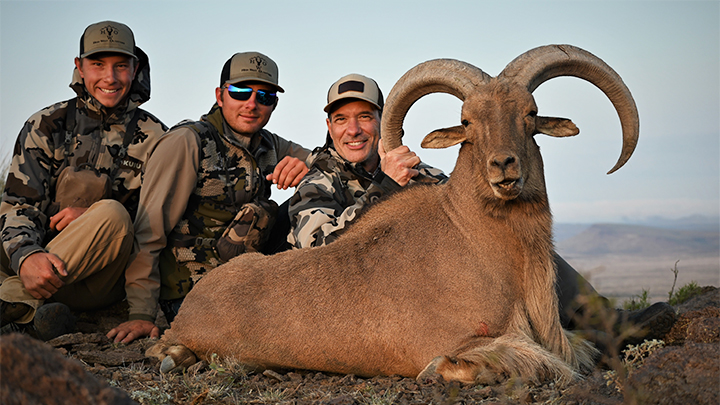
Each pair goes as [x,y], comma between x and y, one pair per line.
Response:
[622,260]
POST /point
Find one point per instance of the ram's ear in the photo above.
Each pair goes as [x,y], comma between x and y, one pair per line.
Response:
[558,127]
[444,137]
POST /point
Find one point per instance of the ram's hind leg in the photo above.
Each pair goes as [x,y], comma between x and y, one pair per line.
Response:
[489,361]
[173,357]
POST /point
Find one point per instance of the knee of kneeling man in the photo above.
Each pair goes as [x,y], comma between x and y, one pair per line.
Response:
[111,211]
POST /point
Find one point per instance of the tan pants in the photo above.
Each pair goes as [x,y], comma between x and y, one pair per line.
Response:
[95,249]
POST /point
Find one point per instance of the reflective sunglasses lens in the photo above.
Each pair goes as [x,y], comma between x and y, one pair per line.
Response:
[266,98]
[239,93]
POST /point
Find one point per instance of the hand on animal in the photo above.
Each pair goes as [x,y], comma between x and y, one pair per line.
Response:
[288,173]
[39,274]
[399,163]
[63,218]
[128,331]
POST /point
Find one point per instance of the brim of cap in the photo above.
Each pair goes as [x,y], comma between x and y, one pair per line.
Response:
[355,95]
[111,50]
[254,79]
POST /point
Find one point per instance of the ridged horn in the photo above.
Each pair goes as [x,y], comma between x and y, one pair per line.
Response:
[538,65]
[434,76]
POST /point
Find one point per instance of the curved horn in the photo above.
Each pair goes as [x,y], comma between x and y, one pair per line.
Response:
[538,65]
[434,76]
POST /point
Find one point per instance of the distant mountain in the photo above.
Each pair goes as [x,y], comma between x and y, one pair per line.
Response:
[601,239]
[564,231]
[691,223]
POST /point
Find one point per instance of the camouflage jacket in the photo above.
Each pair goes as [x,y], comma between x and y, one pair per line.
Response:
[186,193]
[334,192]
[39,157]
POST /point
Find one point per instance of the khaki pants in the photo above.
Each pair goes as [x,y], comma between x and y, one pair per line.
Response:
[95,249]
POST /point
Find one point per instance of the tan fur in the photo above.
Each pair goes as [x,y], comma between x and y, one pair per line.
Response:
[456,279]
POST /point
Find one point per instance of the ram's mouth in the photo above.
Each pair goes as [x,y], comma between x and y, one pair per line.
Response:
[506,184]
[508,188]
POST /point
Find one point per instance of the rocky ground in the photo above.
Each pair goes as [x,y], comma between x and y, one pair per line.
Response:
[686,369]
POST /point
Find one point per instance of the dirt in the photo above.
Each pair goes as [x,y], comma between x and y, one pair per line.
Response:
[685,370]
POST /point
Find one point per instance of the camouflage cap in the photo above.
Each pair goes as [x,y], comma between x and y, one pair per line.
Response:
[107,36]
[355,86]
[250,67]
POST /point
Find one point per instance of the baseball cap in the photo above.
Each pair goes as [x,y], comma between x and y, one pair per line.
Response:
[250,66]
[107,36]
[355,86]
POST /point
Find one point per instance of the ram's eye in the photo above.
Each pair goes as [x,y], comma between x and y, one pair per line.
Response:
[465,122]
[532,113]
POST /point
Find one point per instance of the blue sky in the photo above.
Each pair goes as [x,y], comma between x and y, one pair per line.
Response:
[668,53]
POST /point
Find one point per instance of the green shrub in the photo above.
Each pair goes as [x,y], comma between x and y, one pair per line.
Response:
[684,293]
[641,301]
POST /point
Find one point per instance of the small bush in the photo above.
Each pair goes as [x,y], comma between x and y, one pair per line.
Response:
[641,301]
[634,358]
[684,293]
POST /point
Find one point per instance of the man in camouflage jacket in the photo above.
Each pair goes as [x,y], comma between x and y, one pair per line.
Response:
[75,251]
[351,170]
[207,186]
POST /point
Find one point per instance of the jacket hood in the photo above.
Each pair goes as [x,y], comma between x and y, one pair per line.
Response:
[139,92]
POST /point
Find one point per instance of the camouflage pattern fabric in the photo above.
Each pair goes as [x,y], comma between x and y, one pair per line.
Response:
[332,195]
[229,210]
[249,231]
[38,160]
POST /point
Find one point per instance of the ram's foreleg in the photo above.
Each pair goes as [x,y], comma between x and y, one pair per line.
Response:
[493,360]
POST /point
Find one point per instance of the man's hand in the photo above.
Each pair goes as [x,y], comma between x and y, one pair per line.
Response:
[128,331]
[39,274]
[288,173]
[63,218]
[398,163]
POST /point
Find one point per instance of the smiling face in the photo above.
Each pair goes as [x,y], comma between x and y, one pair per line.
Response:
[245,117]
[355,130]
[107,77]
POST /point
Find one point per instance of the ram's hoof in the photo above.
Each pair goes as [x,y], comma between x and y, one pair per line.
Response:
[167,365]
[174,358]
[429,373]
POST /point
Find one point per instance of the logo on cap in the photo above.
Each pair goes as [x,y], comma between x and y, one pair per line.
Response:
[109,30]
[259,63]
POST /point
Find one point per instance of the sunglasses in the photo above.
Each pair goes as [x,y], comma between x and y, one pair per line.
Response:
[263,97]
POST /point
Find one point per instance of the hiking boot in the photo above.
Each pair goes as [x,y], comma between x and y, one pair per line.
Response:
[53,320]
[653,322]
[12,311]
[12,327]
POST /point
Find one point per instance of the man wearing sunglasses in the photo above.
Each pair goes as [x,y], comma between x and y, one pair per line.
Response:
[207,188]
[72,190]
[352,171]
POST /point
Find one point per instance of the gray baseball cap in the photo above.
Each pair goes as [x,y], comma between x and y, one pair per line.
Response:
[355,86]
[107,36]
[250,66]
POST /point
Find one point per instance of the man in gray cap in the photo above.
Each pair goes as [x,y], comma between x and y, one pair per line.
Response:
[206,191]
[72,190]
[351,170]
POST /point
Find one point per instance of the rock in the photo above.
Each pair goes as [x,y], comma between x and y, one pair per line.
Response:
[706,330]
[679,331]
[275,375]
[110,358]
[678,375]
[35,373]
[77,339]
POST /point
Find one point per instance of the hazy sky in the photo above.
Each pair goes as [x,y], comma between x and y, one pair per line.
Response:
[667,52]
